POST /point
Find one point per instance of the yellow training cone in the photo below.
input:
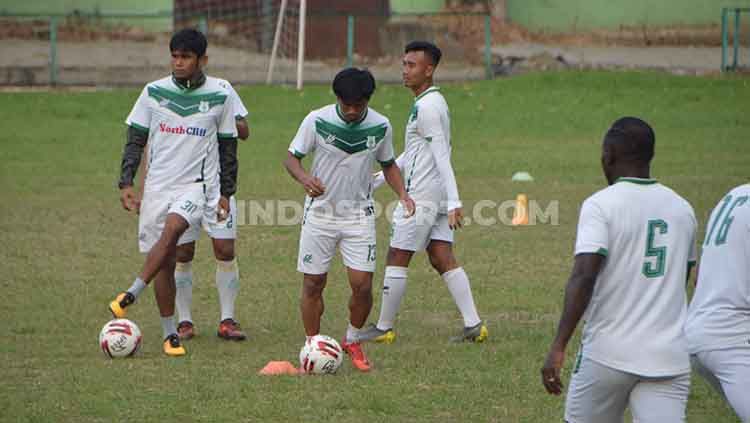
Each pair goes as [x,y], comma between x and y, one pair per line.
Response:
[521,214]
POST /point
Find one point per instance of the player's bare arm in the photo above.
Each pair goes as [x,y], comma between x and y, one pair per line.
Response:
[392,175]
[227,174]
[243,131]
[312,185]
[578,293]
[131,159]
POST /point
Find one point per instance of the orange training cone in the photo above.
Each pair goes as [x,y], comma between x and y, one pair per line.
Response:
[521,213]
[279,368]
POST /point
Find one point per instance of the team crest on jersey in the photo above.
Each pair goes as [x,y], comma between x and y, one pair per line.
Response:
[371,142]
[330,139]
[203,107]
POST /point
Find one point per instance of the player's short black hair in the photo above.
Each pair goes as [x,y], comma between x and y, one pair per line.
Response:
[428,48]
[633,139]
[189,39]
[352,85]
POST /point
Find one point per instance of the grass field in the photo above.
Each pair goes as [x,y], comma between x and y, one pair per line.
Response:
[67,247]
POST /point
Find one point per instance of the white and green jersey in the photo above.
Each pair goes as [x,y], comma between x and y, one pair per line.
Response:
[183,127]
[239,111]
[719,314]
[344,157]
[635,318]
[426,161]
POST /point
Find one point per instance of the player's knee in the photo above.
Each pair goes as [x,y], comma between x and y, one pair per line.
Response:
[186,252]
[398,257]
[224,250]
[312,287]
[362,291]
[174,227]
[443,262]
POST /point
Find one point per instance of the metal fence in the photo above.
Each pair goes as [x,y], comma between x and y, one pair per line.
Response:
[129,49]
[736,33]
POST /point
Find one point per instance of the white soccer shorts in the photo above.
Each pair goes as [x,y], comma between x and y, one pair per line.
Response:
[189,202]
[599,394]
[226,229]
[320,237]
[728,371]
[415,233]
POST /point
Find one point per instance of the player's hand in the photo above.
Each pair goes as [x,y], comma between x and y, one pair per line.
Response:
[138,200]
[313,186]
[409,206]
[551,371]
[455,218]
[129,199]
[222,211]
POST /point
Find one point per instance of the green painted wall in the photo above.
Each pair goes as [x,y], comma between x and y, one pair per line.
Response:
[572,15]
[67,6]
[416,6]
[42,7]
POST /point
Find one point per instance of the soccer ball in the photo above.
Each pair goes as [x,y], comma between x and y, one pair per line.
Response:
[120,338]
[321,355]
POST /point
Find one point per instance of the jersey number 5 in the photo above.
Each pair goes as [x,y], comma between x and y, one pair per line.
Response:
[655,268]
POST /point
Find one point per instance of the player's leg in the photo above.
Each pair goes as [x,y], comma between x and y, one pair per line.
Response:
[172,215]
[660,400]
[360,304]
[163,250]
[732,369]
[444,262]
[597,393]
[311,303]
[394,289]
[358,248]
[406,238]
[317,246]
[164,290]
[228,285]
[183,276]
[696,364]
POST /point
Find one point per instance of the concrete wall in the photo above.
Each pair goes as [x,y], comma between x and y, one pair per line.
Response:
[576,15]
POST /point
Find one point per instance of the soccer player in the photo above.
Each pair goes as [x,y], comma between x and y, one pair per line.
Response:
[185,119]
[633,253]
[426,163]
[718,322]
[346,139]
[223,235]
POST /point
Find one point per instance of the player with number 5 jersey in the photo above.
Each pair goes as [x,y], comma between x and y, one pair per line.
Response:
[633,253]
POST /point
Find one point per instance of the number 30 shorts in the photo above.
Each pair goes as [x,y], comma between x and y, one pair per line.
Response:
[189,202]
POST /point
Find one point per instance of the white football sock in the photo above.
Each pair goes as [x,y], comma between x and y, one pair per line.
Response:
[394,287]
[137,287]
[228,283]
[352,334]
[458,285]
[183,279]
[167,326]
